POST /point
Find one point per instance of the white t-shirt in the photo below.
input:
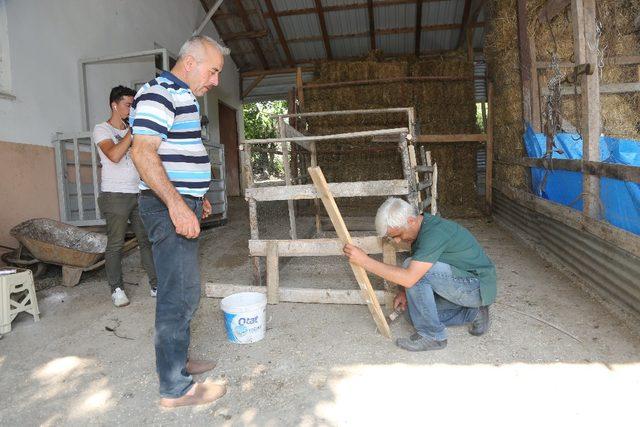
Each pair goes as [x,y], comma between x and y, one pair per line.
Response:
[121,177]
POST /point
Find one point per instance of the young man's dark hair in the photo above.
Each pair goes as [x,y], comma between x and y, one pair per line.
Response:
[119,92]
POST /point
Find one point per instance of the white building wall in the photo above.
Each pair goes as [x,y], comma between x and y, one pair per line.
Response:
[47,38]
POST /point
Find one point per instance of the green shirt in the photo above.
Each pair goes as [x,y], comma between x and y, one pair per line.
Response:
[441,240]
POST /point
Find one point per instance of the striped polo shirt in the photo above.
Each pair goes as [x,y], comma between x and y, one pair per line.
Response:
[166,107]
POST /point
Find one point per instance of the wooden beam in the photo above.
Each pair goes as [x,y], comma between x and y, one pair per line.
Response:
[418,31]
[317,247]
[247,24]
[569,90]
[465,22]
[252,86]
[295,295]
[474,137]
[584,26]
[388,80]
[353,6]
[359,272]
[621,172]
[275,71]
[488,177]
[273,275]
[372,26]
[552,9]
[525,61]
[575,219]
[228,37]
[394,187]
[283,41]
[383,32]
[323,29]
[349,135]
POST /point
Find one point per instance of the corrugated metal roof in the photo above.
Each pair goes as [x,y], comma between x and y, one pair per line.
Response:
[348,47]
[273,87]
[397,16]
[399,44]
[439,40]
[442,12]
[347,21]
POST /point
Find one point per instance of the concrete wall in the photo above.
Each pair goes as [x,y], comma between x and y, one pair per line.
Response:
[46,40]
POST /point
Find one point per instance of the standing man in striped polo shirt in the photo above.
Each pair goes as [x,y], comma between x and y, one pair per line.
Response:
[175,172]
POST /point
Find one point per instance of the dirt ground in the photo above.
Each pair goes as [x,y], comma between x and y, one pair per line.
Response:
[325,364]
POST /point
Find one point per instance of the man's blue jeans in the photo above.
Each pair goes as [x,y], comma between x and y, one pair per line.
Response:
[176,261]
[440,299]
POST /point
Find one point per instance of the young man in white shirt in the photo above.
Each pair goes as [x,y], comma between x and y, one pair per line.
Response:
[118,200]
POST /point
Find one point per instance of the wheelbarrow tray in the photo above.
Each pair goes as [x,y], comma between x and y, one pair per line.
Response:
[58,243]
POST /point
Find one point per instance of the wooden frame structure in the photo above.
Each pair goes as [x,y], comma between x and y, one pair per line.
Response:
[410,186]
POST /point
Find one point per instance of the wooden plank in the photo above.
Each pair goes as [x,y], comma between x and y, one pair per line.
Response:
[603,170]
[389,257]
[574,219]
[408,172]
[434,190]
[316,201]
[316,247]
[287,179]
[611,60]
[568,90]
[422,168]
[465,22]
[275,71]
[76,159]
[474,137]
[348,112]
[253,225]
[280,33]
[349,135]
[488,178]
[294,295]
[94,181]
[389,80]
[359,272]
[525,60]
[394,187]
[357,223]
[584,25]
[536,112]
[227,37]
[273,275]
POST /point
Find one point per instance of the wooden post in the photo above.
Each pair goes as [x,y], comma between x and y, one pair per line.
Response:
[253,225]
[525,59]
[273,275]
[488,181]
[407,171]
[434,190]
[360,273]
[316,202]
[287,179]
[414,164]
[300,93]
[584,36]
[389,257]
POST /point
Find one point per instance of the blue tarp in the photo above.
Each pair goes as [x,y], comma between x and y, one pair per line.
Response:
[620,200]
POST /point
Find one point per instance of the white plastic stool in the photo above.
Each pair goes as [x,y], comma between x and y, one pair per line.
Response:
[17,294]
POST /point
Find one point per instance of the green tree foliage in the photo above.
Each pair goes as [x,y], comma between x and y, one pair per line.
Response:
[258,125]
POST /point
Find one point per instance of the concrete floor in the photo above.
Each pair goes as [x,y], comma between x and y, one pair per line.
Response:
[325,364]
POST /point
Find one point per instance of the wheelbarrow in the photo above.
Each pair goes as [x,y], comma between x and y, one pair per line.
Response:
[53,242]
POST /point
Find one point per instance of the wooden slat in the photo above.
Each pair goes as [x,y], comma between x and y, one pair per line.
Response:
[568,90]
[76,157]
[525,60]
[287,178]
[317,247]
[228,37]
[395,187]
[422,168]
[488,177]
[94,180]
[273,275]
[294,295]
[359,272]
[603,170]
[389,257]
[479,137]
[388,80]
[349,135]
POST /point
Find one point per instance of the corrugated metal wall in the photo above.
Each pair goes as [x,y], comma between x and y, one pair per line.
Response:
[611,272]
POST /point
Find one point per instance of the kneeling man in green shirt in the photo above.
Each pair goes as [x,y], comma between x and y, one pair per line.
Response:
[447,281]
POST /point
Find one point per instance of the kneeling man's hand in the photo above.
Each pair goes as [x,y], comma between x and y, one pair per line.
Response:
[400,301]
[355,254]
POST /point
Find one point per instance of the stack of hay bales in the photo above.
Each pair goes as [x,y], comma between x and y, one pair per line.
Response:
[442,107]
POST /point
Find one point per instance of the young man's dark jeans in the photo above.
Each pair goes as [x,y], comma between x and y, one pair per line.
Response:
[176,260]
[118,209]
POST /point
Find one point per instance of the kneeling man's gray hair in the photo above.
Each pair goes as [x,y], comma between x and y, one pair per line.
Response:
[394,212]
[194,46]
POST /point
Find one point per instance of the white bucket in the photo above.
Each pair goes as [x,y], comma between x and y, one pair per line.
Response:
[245,316]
